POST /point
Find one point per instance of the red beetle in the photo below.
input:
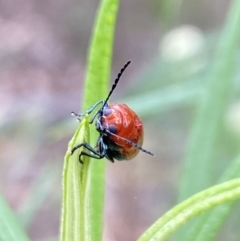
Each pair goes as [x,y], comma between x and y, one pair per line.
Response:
[121,130]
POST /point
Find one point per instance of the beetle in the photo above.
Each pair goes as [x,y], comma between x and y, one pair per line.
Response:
[120,130]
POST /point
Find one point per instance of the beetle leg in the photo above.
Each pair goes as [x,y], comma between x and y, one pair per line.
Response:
[97,112]
[89,111]
[93,153]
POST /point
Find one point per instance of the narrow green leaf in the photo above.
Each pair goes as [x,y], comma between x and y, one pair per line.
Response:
[199,163]
[9,225]
[74,184]
[199,155]
[208,225]
[97,82]
[100,53]
[195,205]
[82,219]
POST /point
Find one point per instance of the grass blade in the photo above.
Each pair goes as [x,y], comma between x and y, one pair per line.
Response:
[9,225]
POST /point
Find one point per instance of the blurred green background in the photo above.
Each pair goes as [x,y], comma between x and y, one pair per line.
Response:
[43,47]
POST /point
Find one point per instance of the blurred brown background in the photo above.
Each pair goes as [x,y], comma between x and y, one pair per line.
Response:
[43,46]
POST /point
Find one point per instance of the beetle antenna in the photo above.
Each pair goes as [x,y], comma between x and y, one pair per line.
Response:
[130,142]
[116,82]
